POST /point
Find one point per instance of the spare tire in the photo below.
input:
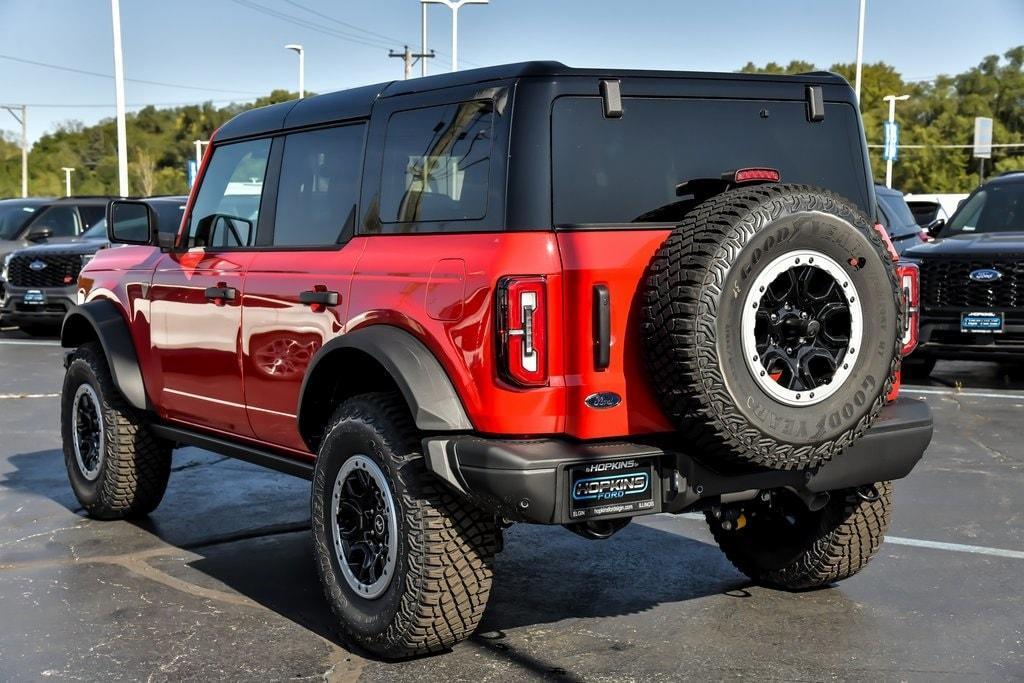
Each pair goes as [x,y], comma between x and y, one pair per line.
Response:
[771,326]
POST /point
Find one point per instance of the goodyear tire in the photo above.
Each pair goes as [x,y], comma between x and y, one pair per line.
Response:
[116,466]
[783,544]
[770,326]
[406,565]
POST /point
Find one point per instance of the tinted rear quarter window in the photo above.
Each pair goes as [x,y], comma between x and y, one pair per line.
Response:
[901,220]
[91,214]
[608,170]
[436,163]
[316,199]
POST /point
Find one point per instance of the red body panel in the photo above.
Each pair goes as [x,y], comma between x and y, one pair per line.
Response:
[238,368]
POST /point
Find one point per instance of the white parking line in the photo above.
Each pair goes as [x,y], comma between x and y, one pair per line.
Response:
[953,392]
[2,396]
[921,543]
[28,342]
[956,547]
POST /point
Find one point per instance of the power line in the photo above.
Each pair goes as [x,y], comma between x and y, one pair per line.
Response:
[71,69]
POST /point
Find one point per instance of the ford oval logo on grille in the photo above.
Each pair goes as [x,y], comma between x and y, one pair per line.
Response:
[603,399]
[985,275]
[37,265]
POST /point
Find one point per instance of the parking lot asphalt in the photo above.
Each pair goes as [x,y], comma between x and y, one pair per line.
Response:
[219,582]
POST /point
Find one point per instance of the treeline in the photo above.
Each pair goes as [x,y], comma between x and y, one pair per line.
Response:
[939,112]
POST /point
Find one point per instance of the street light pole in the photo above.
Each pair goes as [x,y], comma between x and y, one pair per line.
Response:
[423,37]
[454,6]
[298,49]
[67,179]
[23,120]
[122,131]
[892,100]
[860,48]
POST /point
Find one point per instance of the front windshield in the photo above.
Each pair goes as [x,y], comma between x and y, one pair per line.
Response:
[12,217]
[97,231]
[899,213]
[997,208]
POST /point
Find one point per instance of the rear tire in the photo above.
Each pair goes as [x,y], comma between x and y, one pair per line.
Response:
[116,466]
[770,326]
[425,588]
[787,546]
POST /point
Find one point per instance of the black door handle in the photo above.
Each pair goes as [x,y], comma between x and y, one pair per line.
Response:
[221,294]
[319,297]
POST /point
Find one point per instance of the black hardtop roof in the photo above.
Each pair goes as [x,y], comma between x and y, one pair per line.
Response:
[357,102]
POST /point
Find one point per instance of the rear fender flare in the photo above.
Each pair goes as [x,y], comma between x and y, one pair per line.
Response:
[102,319]
[423,382]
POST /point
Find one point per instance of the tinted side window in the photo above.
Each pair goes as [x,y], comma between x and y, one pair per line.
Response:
[61,219]
[436,163]
[228,204]
[91,215]
[316,197]
[168,216]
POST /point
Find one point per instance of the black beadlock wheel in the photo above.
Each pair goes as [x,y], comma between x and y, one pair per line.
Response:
[770,324]
[116,466]
[783,544]
[406,565]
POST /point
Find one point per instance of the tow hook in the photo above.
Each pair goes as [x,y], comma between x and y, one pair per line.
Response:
[868,493]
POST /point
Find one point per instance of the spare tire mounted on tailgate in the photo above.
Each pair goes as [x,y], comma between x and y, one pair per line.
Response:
[771,325]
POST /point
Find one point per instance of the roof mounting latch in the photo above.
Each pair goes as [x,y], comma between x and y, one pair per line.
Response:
[815,103]
[612,99]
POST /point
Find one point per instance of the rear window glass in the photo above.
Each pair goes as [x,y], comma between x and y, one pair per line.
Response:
[436,163]
[626,170]
[901,221]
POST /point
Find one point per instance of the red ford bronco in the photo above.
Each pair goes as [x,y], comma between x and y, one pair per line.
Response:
[526,293]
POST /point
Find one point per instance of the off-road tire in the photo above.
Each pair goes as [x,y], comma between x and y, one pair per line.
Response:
[446,546]
[691,328]
[830,545]
[135,464]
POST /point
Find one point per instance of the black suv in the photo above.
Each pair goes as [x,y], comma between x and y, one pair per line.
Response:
[972,304]
[40,282]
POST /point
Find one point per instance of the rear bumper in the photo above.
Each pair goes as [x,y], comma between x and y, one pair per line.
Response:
[528,480]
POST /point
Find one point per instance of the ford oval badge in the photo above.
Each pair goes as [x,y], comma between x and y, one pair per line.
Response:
[37,265]
[603,399]
[985,275]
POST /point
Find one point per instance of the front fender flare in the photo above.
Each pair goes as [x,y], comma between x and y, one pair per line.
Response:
[429,393]
[102,319]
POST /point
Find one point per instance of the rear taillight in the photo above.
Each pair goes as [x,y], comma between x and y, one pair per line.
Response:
[522,330]
[909,278]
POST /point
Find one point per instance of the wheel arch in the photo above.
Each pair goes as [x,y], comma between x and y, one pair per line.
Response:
[102,321]
[374,358]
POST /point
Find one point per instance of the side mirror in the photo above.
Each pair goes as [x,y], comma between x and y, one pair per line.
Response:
[130,222]
[39,233]
[935,227]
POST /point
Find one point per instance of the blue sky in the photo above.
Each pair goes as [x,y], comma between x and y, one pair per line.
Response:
[230,49]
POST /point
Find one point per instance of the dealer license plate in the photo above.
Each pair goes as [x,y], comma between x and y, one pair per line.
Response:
[35,296]
[981,322]
[611,487]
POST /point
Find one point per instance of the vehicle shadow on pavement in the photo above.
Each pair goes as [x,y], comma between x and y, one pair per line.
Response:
[544,575]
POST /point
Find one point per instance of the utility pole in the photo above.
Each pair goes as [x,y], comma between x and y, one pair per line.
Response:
[23,120]
[122,129]
[892,100]
[454,6]
[860,48]
[67,179]
[423,37]
[301,52]
[409,58]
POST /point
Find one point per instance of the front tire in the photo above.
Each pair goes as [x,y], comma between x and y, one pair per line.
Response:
[116,466]
[786,545]
[406,565]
